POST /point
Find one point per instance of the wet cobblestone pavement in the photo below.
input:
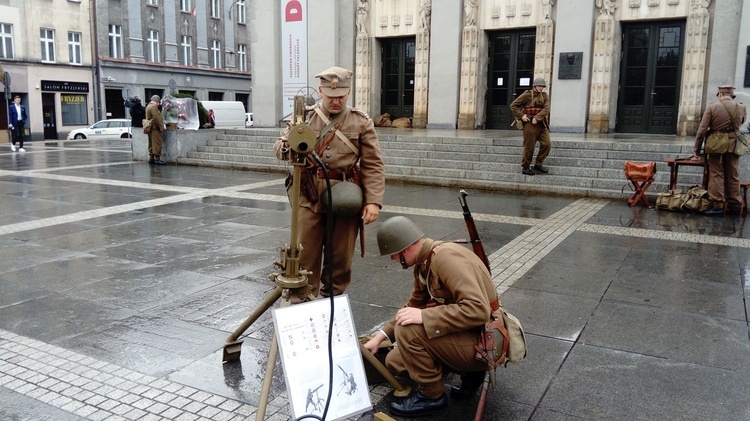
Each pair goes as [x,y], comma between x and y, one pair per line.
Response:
[120,283]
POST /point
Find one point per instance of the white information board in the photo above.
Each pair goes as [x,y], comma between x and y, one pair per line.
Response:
[302,334]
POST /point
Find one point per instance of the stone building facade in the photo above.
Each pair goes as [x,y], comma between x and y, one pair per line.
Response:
[625,66]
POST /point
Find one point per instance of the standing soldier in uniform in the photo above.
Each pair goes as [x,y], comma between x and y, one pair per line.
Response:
[154,135]
[724,116]
[532,108]
[452,298]
[351,153]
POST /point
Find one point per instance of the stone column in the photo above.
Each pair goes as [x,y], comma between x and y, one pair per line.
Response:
[545,37]
[603,70]
[421,78]
[362,74]
[693,72]
[467,111]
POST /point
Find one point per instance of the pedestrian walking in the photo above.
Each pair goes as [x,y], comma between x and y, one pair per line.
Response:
[17,118]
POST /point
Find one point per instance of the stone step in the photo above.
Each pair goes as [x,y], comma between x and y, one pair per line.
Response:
[577,167]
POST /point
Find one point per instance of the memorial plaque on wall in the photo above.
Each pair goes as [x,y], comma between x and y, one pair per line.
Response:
[570,65]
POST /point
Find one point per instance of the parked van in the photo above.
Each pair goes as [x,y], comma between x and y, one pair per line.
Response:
[228,114]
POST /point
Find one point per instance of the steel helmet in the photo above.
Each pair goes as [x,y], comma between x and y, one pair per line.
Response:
[347,199]
[396,234]
[540,82]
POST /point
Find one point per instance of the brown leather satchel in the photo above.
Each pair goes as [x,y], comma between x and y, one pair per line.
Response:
[640,171]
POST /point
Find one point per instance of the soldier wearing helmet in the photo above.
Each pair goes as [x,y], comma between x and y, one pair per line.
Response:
[351,153]
[532,108]
[452,297]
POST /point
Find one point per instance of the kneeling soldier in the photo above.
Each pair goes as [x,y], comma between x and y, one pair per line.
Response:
[452,298]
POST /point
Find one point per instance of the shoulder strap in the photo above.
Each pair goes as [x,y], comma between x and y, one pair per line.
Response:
[732,116]
[329,125]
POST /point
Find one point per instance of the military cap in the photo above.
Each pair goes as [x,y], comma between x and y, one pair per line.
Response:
[155,98]
[726,89]
[335,81]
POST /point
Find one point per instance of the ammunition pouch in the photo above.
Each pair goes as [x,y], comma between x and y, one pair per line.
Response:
[532,110]
[306,186]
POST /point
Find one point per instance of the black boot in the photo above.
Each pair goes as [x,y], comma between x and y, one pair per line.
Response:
[470,383]
[418,405]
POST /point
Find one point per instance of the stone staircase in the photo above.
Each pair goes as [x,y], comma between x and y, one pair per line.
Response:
[579,165]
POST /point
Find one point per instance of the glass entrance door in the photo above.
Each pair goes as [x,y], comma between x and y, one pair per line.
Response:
[650,77]
[397,85]
[511,71]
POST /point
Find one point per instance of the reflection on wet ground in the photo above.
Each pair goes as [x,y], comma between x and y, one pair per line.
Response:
[120,283]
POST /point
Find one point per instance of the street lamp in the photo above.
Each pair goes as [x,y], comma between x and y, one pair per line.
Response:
[232,7]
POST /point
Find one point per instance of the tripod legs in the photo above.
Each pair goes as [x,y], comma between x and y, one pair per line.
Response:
[265,391]
[233,347]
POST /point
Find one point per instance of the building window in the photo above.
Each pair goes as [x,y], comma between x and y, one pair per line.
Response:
[185,6]
[6,40]
[152,2]
[153,46]
[242,57]
[216,54]
[215,10]
[115,41]
[74,47]
[240,11]
[187,50]
[47,37]
[73,108]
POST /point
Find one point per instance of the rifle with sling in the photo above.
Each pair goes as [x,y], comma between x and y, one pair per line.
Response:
[471,227]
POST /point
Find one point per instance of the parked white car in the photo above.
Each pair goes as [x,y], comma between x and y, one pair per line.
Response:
[116,128]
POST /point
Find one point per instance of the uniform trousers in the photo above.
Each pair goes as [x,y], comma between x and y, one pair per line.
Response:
[724,178]
[425,360]
[154,144]
[531,134]
[18,132]
[312,234]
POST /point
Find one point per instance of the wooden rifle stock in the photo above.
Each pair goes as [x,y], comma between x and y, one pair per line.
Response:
[474,240]
[479,414]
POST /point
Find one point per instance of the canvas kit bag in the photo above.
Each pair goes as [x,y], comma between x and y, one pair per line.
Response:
[696,200]
[146,125]
[502,341]
[671,200]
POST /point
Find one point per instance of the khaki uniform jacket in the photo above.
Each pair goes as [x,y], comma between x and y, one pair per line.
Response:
[528,99]
[358,127]
[153,114]
[716,118]
[460,280]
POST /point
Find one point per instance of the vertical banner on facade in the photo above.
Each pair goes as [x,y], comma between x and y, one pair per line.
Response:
[293,51]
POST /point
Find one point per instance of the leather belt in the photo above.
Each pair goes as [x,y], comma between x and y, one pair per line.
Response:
[333,174]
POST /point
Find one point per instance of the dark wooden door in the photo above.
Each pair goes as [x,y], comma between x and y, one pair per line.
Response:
[397,84]
[48,116]
[650,77]
[511,72]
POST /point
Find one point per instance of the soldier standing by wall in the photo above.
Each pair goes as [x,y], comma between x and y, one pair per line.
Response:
[725,116]
[532,108]
[155,131]
[351,153]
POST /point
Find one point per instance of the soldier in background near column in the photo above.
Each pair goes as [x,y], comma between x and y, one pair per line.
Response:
[532,108]
[723,168]
[351,153]
[155,134]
